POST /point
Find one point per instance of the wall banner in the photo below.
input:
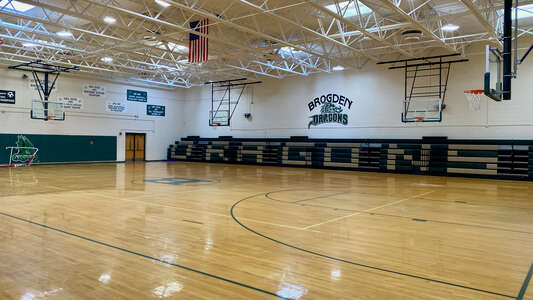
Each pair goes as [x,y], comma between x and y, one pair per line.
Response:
[71,103]
[7,97]
[93,90]
[155,110]
[330,108]
[116,107]
[138,96]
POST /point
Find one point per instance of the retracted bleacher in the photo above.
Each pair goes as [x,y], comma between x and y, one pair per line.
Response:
[511,159]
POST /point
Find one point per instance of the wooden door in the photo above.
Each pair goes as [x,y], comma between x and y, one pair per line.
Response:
[139,146]
[135,146]
[130,146]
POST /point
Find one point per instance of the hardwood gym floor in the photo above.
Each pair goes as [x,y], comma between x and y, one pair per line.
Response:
[215,231]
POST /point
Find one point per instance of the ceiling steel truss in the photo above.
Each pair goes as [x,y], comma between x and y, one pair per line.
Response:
[147,43]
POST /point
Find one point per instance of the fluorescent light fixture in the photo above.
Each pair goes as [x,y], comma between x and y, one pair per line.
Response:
[16,5]
[162,3]
[107,59]
[349,9]
[338,68]
[29,45]
[110,20]
[450,27]
[64,33]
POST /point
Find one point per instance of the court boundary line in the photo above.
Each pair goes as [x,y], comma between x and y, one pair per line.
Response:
[368,210]
[525,284]
[145,256]
[356,263]
[267,195]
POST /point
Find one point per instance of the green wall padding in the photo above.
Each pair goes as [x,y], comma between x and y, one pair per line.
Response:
[64,148]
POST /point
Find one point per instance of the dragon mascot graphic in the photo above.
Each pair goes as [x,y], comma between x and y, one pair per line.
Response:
[25,152]
[330,108]
[329,113]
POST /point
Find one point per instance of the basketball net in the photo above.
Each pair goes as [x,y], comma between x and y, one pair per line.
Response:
[474,99]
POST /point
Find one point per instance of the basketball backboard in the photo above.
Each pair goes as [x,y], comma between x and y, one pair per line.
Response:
[422,110]
[219,117]
[46,110]
[493,84]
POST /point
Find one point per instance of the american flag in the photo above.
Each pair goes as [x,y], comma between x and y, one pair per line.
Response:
[198,45]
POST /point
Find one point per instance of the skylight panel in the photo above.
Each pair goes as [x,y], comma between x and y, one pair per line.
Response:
[349,8]
[524,11]
[16,5]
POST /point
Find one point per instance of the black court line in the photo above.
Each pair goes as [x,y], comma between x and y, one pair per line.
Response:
[419,220]
[145,256]
[525,284]
[195,222]
[267,195]
[356,263]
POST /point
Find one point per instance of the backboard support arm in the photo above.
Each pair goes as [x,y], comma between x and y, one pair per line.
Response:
[44,86]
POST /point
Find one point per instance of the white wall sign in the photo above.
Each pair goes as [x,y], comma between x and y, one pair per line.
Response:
[33,85]
[72,103]
[93,90]
[116,107]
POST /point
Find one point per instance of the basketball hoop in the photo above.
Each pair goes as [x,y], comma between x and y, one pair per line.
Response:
[419,119]
[216,123]
[474,99]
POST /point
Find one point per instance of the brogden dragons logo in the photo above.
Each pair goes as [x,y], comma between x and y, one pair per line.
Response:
[332,108]
[25,150]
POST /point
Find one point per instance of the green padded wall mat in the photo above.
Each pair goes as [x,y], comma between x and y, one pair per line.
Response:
[64,148]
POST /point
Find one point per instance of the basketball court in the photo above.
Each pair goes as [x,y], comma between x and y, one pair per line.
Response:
[266,149]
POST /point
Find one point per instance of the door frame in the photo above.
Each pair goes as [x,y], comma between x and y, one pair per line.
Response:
[134,145]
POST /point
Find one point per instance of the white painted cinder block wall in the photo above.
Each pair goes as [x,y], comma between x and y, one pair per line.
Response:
[279,107]
[93,119]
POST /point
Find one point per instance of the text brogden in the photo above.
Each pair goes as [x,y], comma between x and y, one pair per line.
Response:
[330,98]
[332,108]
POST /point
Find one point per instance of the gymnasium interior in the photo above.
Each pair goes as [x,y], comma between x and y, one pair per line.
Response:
[274,149]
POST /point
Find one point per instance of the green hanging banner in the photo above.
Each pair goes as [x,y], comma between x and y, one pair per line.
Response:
[137,96]
[155,110]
